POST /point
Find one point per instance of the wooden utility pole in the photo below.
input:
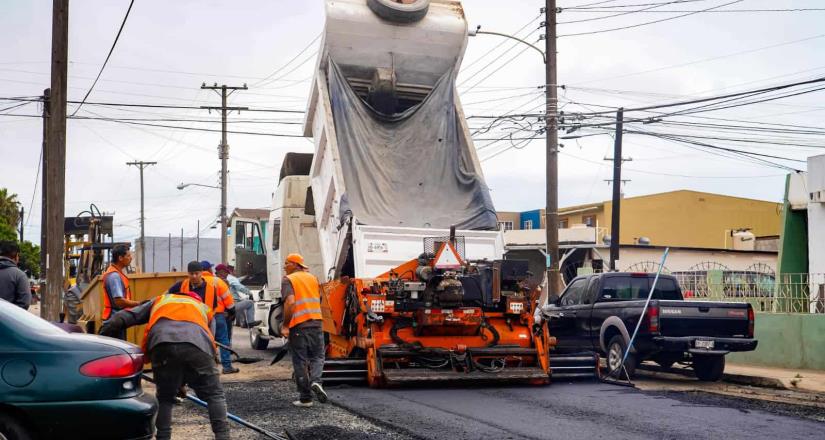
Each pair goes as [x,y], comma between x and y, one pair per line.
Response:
[617,191]
[170,252]
[153,254]
[181,248]
[141,166]
[43,186]
[22,221]
[551,213]
[223,150]
[198,242]
[54,157]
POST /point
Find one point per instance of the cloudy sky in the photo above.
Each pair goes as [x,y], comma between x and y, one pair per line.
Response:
[168,48]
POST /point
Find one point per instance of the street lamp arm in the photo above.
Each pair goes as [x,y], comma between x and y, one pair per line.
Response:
[473,33]
[184,185]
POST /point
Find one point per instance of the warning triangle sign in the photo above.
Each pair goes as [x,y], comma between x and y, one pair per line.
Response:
[447,258]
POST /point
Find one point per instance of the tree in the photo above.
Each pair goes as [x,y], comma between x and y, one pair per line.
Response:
[30,258]
[9,208]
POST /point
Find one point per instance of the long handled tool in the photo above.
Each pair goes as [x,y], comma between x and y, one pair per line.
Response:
[233,417]
[239,358]
[608,378]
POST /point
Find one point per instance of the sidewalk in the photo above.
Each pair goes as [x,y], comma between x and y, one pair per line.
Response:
[803,380]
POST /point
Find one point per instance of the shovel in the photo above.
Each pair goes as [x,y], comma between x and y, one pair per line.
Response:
[239,358]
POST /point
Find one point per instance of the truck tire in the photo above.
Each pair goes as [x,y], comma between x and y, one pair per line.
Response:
[11,429]
[256,341]
[708,368]
[399,12]
[615,351]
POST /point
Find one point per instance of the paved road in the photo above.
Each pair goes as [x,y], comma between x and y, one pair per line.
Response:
[572,411]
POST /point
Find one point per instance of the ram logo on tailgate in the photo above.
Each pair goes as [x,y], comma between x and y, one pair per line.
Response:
[671,311]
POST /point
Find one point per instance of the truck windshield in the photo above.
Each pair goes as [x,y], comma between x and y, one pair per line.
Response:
[630,287]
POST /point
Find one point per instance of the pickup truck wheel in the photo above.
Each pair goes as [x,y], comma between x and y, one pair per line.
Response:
[708,368]
[11,429]
[615,352]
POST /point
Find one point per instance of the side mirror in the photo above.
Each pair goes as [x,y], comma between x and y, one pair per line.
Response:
[554,300]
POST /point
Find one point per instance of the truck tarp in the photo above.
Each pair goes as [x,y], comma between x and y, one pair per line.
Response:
[412,168]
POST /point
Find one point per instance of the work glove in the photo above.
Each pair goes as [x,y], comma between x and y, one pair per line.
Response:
[113,326]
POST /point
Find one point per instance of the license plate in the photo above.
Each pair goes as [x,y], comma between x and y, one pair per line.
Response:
[707,345]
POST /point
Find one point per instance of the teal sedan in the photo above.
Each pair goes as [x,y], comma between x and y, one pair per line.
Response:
[55,384]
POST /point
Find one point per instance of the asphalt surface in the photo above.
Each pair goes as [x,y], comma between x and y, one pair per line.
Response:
[573,410]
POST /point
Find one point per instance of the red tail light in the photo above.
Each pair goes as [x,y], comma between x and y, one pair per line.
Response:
[751,321]
[653,318]
[121,365]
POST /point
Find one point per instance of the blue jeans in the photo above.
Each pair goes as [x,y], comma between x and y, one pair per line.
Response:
[222,336]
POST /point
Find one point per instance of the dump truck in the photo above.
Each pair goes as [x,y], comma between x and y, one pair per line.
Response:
[391,212]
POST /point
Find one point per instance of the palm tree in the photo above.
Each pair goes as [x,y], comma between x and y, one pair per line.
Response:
[9,208]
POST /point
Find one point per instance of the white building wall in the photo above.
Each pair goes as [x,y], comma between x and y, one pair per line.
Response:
[816,225]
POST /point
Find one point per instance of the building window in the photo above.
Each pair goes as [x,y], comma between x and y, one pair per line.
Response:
[528,224]
[589,220]
[563,223]
[505,226]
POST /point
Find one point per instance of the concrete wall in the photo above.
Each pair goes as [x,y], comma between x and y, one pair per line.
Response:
[787,340]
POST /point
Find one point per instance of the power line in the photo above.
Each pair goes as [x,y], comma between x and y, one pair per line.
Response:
[715,11]
[656,5]
[180,107]
[112,49]
[649,22]
[266,79]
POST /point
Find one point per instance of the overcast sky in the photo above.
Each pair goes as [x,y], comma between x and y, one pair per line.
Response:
[168,48]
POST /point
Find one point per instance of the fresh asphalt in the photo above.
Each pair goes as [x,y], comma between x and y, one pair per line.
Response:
[581,410]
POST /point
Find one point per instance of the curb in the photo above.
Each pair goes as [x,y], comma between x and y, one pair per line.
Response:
[739,379]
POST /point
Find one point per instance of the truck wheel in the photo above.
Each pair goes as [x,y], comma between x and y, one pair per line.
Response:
[708,368]
[615,352]
[11,429]
[256,341]
[400,11]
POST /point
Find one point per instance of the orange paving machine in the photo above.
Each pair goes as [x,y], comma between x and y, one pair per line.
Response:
[440,317]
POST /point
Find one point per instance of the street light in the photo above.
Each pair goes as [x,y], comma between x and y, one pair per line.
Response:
[551,134]
[184,185]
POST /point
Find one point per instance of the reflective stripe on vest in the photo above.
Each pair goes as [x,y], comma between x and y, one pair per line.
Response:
[178,308]
[307,298]
[108,301]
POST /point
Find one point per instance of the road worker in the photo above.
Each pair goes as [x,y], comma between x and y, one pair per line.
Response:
[301,292]
[180,345]
[116,292]
[215,294]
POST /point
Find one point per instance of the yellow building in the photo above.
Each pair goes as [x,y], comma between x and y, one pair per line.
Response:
[678,218]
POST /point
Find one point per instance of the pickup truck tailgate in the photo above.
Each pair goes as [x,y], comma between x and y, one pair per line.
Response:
[696,318]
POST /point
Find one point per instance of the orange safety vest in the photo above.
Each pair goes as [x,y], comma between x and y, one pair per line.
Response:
[215,295]
[307,297]
[178,308]
[107,299]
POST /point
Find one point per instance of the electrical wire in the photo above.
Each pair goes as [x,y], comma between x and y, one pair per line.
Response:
[601,31]
[109,55]
[265,80]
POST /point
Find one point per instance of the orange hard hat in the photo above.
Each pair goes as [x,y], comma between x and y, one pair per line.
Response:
[296,259]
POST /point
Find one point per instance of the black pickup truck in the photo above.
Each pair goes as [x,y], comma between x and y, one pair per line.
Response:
[599,313]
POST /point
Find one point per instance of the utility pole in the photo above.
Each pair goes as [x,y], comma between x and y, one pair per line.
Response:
[141,166]
[223,149]
[169,248]
[153,254]
[615,213]
[198,242]
[551,213]
[22,220]
[43,186]
[181,248]
[55,159]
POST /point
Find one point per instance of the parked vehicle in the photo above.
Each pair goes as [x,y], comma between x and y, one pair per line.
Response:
[56,384]
[599,312]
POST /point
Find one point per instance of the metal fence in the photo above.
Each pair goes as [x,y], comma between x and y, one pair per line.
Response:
[766,292]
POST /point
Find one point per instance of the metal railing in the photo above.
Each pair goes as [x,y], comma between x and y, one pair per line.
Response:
[766,292]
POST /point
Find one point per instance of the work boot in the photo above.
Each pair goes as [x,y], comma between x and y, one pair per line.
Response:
[302,404]
[319,392]
[253,324]
[230,370]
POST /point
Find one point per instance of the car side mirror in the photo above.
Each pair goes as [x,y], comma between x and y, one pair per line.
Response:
[554,300]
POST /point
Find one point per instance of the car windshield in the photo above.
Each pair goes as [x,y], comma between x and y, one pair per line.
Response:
[11,315]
